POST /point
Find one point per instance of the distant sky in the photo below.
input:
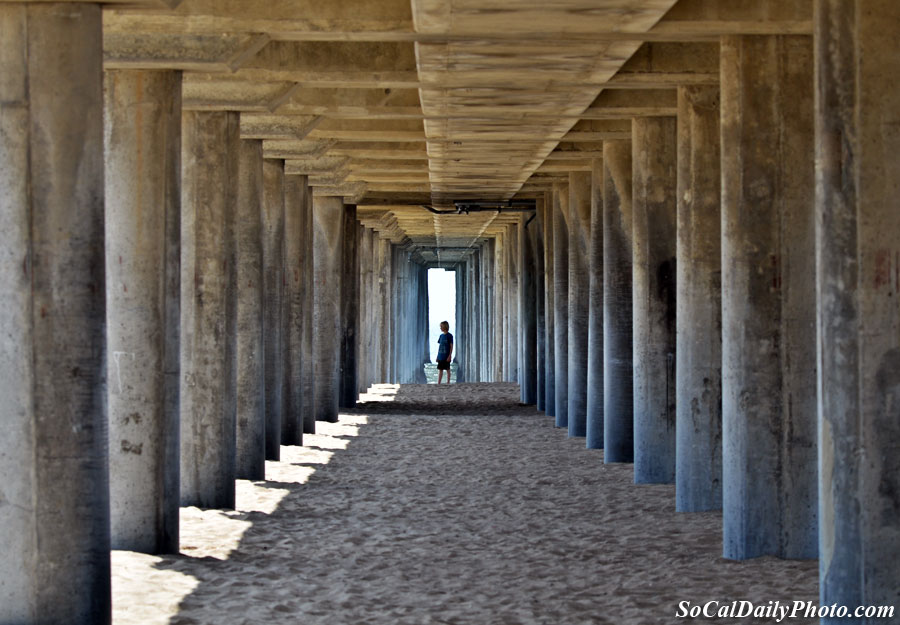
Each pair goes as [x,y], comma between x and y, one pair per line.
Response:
[441,305]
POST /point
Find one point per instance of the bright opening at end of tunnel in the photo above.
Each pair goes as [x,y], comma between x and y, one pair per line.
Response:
[441,305]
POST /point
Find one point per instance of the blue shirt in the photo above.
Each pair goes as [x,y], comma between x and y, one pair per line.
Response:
[445,344]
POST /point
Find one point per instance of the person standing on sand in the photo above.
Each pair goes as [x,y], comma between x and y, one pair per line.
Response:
[445,351]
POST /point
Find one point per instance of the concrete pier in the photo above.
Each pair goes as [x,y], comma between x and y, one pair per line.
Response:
[251,416]
[768,298]
[275,348]
[579,299]
[295,260]
[306,362]
[143,238]
[653,295]
[539,305]
[349,308]
[364,348]
[858,268]
[53,452]
[382,328]
[210,149]
[527,313]
[328,247]
[561,302]
[698,318]
[549,307]
[594,406]
[618,404]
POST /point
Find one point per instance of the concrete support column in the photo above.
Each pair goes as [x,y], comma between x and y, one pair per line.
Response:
[463,334]
[210,150]
[512,303]
[579,299]
[307,269]
[618,402]
[561,301]
[382,328]
[251,415]
[275,348]
[527,313]
[366,321]
[594,408]
[53,452]
[143,238]
[422,326]
[496,284]
[540,353]
[698,319]
[654,184]
[328,249]
[549,307]
[858,267]
[349,307]
[768,295]
[295,262]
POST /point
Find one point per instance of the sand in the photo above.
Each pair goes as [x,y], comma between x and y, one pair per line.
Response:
[446,505]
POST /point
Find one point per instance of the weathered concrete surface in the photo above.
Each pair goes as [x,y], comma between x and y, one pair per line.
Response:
[328,246]
[251,416]
[540,310]
[858,267]
[307,321]
[294,262]
[561,302]
[768,295]
[382,329]
[53,452]
[653,294]
[143,236]
[594,407]
[275,349]
[210,147]
[527,312]
[364,348]
[579,299]
[549,307]
[349,307]
[698,318]
[618,405]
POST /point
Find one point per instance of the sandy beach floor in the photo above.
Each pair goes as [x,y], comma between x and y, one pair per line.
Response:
[452,505]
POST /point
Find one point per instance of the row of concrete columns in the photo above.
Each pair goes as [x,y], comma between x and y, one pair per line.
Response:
[672,296]
[162,283]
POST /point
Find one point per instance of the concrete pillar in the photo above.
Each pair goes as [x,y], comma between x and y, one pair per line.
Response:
[538,267]
[294,266]
[561,301]
[462,337]
[349,307]
[275,347]
[364,343]
[382,327]
[654,184]
[579,299]
[858,267]
[512,303]
[549,307]
[328,249]
[307,321]
[768,295]
[422,330]
[698,318]
[527,313]
[210,148]
[251,387]
[594,408]
[618,404]
[55,489]
[143,236]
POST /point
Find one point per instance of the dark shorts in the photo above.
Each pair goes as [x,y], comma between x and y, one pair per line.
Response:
[443,365]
